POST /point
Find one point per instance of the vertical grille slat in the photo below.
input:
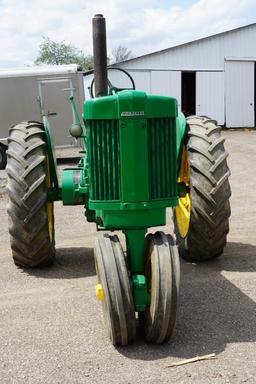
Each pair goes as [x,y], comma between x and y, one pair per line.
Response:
[104,159]
[115,163]
[109,164]
[100,153]
[164,164]
[152,165]
[168,174]
[162,158]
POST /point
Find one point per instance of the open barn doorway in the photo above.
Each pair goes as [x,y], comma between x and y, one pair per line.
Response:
[188,93]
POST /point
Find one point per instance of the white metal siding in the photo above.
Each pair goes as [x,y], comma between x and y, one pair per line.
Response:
[239,84]
[229,101]
[142,80]
[203,54]
[210,95]
[167,83]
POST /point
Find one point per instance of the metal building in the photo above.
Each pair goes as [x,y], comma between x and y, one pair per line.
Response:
[213,76]
[28,93]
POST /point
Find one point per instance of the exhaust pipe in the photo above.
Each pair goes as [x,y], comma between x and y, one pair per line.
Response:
[100,55]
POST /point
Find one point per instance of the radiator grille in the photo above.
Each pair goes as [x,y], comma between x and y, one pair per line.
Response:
[104,158]
[162,158]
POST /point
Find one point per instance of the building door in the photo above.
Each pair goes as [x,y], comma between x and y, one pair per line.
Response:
[210,95]
[54,101]
[239,89]
[167,83]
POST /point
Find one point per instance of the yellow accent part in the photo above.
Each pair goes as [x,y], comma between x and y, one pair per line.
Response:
[49,206]
[99,292]
[182,211]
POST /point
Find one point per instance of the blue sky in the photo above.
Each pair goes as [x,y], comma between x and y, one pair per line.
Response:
[141,25]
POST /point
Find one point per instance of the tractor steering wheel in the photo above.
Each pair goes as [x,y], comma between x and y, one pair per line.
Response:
[113,89]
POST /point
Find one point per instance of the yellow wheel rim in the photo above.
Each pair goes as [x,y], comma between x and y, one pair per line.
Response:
[49,206]
[182,211]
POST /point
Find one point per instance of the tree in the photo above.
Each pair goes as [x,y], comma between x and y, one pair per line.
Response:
[121,53]
[52,52]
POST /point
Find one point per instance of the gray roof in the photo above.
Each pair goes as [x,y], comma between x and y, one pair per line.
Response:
[189,43]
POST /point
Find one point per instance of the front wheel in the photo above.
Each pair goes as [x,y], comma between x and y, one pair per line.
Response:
[114,290]
[162,270]
[201,220]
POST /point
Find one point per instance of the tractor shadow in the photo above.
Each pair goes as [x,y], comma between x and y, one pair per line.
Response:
[70,263]
[213,311]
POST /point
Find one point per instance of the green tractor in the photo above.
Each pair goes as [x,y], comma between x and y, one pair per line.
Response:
[140,157]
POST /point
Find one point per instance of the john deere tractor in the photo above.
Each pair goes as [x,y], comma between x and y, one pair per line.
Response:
[140,157]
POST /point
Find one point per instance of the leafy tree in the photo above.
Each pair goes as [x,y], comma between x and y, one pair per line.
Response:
[52,52]
[121,53]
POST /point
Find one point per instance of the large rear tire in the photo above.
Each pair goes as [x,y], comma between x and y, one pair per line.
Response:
[201,221]
[31,219]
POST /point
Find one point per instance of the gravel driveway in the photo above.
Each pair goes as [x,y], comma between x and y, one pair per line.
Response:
[51,326]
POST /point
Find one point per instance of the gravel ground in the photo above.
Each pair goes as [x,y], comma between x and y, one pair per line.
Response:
[51,327]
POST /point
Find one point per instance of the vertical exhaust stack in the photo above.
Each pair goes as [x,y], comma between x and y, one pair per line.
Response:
[100,55]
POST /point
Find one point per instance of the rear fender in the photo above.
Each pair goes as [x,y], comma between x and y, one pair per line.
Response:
[51,153]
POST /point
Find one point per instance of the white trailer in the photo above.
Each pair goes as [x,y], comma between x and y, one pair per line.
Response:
[29,93]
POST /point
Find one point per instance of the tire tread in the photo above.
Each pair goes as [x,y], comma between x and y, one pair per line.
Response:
[209,192]
[27,208]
